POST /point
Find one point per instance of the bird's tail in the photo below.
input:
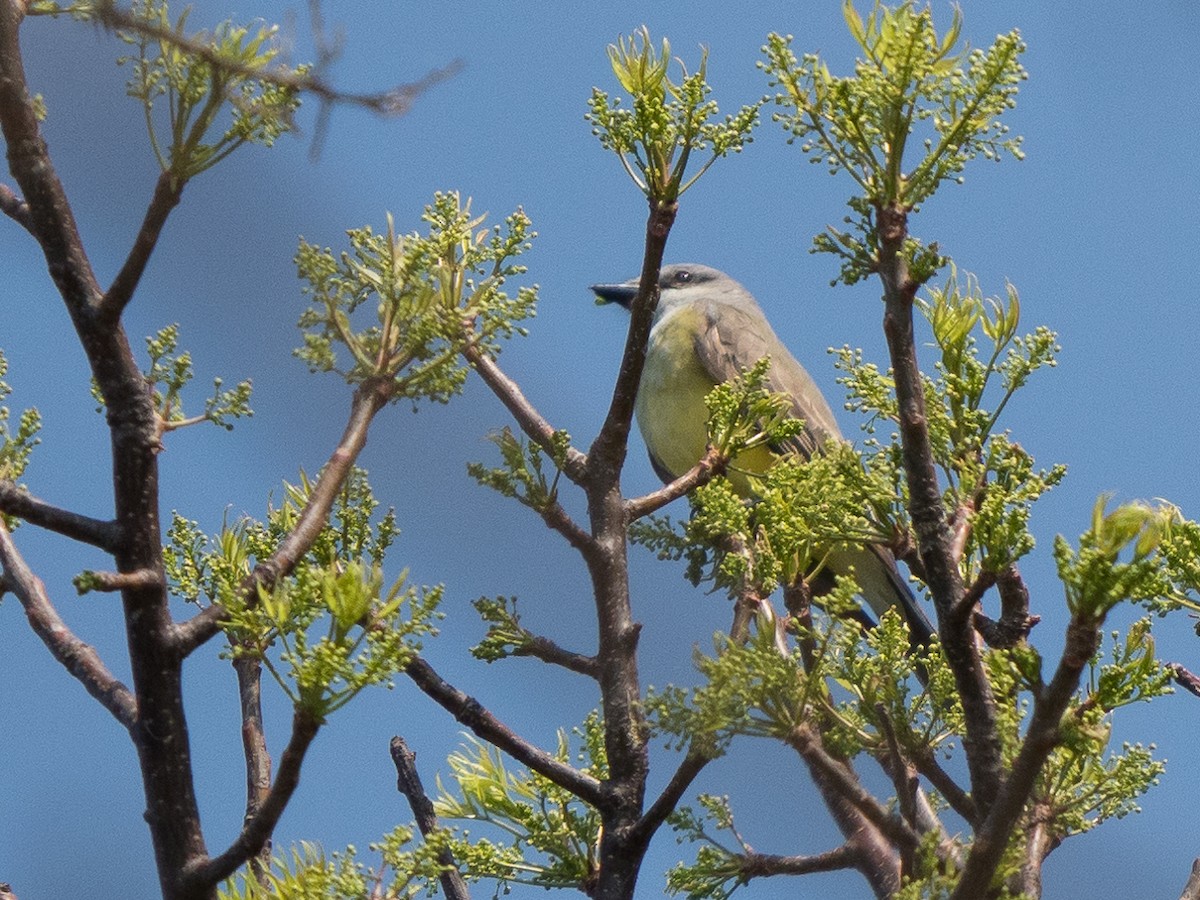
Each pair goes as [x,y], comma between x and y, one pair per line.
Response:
[882,586]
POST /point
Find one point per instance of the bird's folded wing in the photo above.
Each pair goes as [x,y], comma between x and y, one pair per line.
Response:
[734,339]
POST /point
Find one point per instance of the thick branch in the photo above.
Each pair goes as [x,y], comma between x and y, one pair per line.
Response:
[1083,637]
[167,192]
[372,395]
[710,465]
[80,659]
[527,417]
[805,741]
[935,541]
[85,529]
[408,780]
[257,831]
[471,713]
[117,581]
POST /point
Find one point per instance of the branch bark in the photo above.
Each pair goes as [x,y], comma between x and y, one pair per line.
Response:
[23,505]
[77,657]
[202,876]
[370,397]
[471,713]
[408,781]
[935,541]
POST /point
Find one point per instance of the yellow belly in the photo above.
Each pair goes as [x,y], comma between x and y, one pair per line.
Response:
[670,403]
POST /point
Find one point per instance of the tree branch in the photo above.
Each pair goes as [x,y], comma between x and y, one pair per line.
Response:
[934,538]
[257,831]
[764,865]
[1191,890]
[805,741]
[19,503]
[1042,736]
[547,651]
[80,659]
[665,804]
[15,208]
[254,750]
[408,781]
[527,417]
[710,465]
[370,397]
[1185,679]
[395,101]
[167,192]
[471,713]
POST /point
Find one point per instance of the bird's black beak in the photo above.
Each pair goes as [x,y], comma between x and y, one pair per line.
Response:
[621,294]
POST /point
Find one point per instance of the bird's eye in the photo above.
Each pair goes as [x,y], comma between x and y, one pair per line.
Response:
[683,277]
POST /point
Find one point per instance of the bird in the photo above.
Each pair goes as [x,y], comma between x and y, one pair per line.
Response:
[707,330]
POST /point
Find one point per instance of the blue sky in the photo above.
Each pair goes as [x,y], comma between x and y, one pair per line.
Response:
[1094,229]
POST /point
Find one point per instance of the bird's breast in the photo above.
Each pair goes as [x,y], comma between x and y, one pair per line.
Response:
[670,403]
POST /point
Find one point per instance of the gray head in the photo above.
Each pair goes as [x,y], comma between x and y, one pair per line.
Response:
[678,284]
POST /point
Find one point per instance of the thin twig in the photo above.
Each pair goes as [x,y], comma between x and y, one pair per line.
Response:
[471,713]
[80,659]
[394,101]
[665,803]
[167,191]
[535,426]
[116,581]
[547,651]
[710,465]
[408,781]
[23,505]
[372,395]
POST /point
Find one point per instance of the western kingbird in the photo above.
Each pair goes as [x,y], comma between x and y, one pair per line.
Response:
[708,329]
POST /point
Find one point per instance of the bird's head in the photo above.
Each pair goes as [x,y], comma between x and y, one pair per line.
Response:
[678,284]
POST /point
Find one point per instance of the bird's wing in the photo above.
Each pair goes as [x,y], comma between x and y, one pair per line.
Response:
[735,337]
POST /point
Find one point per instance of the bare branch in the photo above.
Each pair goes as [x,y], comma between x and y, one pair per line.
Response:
[529,419]
[408,781]
[666,802]
[19,503]
[710,465]
[116,581]
[372,395]
[394,101]
[935,540]
[254,750]
[556,518]
[1185,679]
[167,191]
[549,652]
[764,865]
[80,659]
[1015,622]
[257,831]
[1191,890]
[15,208]
[805,741]
[1042,736]
[471,713]
[960,801]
